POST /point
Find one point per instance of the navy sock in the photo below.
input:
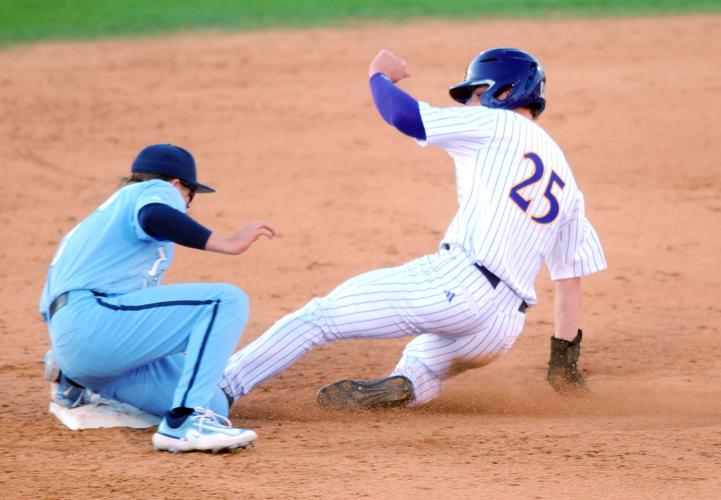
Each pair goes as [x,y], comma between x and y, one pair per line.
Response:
[177,416]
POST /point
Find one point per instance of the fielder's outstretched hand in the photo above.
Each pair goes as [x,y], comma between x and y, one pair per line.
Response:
[242,240]
[390,64]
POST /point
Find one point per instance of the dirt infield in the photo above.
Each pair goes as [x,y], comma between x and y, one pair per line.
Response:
[282,124]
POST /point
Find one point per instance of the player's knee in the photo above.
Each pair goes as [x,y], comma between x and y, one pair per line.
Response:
[231,294]
[313,312]
[234,301]
[316,313]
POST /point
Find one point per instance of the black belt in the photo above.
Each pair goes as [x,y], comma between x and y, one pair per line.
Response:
[494,281]
[492,278]
[57,304]
[62,300]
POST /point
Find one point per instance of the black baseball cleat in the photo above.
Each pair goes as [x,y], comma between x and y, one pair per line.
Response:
[366,394]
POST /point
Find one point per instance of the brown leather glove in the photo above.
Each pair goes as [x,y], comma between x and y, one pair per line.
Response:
[563,374]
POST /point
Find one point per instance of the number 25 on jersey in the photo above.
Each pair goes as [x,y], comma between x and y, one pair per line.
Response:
[524,203]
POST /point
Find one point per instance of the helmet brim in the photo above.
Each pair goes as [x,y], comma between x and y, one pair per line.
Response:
[461,92]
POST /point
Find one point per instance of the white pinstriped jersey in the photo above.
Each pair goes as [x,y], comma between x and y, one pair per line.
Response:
[519,205]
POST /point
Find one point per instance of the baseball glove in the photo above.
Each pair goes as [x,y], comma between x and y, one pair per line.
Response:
[563,374]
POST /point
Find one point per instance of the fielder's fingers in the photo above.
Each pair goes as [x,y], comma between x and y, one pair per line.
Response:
[263,231]
[271,229]
[266,229]
[262,224]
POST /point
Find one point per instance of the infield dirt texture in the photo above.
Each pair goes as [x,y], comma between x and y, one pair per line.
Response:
[282,124]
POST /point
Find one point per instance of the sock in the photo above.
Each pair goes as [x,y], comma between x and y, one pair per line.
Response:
[177,416]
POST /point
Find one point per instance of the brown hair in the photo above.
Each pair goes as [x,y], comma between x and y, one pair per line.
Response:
[136,177]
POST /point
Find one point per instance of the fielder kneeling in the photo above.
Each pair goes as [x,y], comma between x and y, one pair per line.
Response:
[115,331]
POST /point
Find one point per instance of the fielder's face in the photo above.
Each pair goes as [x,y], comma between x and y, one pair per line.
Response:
[186,191]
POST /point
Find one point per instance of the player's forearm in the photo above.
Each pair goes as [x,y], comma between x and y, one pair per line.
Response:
[219,244]
[397,107]
[242,240]
[567,315]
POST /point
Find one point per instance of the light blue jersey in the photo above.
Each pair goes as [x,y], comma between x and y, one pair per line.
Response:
[108,251]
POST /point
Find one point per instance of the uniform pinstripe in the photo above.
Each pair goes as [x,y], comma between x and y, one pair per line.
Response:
[458,318]
[441,293]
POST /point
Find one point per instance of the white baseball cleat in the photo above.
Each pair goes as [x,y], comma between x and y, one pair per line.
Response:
[203,430]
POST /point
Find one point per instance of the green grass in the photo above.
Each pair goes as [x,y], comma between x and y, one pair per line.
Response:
[32,20]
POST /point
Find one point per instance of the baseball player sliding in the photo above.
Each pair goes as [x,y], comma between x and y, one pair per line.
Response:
[519,208]
[161,349]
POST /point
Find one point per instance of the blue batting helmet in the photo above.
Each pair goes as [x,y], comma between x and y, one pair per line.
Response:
[501,70]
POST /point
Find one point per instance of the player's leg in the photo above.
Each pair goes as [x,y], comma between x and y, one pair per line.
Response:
[427,362]
[110,337]
[151,387]
[438,354]
[437,293]
[122,333]
[430,359]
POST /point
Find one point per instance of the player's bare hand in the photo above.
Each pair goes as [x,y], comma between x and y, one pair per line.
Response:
[390,64]
[242,240]
[250,233]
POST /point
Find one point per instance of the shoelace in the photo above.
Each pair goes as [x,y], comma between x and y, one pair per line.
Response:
[203,415]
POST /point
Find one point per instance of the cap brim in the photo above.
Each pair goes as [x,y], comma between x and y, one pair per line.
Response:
[202,188]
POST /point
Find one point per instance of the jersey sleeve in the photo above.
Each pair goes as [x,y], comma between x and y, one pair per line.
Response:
[156,192]
[577,251]
[457,129]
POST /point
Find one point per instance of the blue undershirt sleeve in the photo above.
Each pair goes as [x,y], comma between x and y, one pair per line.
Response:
[165,223]
[397,107]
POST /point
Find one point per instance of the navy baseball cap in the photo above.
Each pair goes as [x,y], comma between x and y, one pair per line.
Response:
[170,160]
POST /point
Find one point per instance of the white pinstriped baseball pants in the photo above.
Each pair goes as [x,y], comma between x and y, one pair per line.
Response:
[459,320]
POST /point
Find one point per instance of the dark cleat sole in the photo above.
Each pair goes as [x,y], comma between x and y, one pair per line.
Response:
[366,394]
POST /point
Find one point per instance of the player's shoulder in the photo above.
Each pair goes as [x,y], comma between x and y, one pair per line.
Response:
[468,112]
[540,133]
[154,184]
[145,188]
[155,191]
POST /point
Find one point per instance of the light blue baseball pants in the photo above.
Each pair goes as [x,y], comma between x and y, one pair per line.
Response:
[155,349]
